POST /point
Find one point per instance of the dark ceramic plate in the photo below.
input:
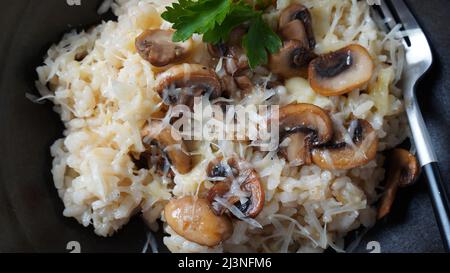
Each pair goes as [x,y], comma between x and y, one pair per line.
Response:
[30,211]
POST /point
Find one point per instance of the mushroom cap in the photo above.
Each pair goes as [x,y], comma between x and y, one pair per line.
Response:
[305,125]
[404,162]
[308,118]
[343,156]
[236,60]
[221,168]
[170,142]
[403,170]
[157,47]
[295,30]
[292,60]
[194,219]
[180,83]
[298,151]
[233,170]
[298,12]
[217,50]
[257,198]
[244,83]
[229,85]
[342,71]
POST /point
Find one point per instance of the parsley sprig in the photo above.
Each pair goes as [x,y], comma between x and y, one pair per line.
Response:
[215,19]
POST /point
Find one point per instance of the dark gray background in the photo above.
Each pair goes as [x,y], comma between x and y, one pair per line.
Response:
[30,211]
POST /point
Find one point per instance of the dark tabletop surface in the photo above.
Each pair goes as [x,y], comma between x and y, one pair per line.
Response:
[30,211]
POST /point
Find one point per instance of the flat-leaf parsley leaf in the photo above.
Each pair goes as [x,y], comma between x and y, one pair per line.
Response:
[189,17]
[258,40]
[215,19]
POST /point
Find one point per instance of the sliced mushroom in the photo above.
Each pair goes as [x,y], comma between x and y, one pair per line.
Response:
[234,40]
[194,219]
[165,146]
[218,50]
[292,60]
[221,170]
[157,47]
[181,83]
[341,72]
[295,27]
[236,61]
[344,156]
[403,171]
[295,31]
[229,85]
[295,23]
[235,175]
[244,83]
[298,151]
[235,58]
[305,125]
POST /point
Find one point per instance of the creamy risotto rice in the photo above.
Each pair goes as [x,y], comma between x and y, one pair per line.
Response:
[105,94]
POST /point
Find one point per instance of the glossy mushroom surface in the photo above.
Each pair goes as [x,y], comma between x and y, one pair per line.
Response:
[292,60]
[157,47]
[403,171]
[233,177]
[164,144]
[181,83]
[193,219]
[305,125]
[342,71]
[295,23]
[345,156]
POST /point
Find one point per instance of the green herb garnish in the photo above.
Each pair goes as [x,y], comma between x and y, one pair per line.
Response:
[215,19]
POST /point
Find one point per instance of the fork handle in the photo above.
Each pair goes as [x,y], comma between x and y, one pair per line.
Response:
[440,201]
[428,161]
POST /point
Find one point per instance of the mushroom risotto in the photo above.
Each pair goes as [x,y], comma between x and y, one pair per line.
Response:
[121,87]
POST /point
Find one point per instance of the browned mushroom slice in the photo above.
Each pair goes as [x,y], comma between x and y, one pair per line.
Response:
[157,47]
[244,83]
[403,170]
[343,156]
[236,172]
[164,141]
[228,85]
[298,151]
[220,189]
[218,50]
[295,23]
[234,40]
[194,219]
[305,125]
[255,203]
[341,72]
[221,170]
[181,83]
[291,61]
[235,59]
[295,30]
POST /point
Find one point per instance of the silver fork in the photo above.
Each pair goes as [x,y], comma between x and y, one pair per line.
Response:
[418,61]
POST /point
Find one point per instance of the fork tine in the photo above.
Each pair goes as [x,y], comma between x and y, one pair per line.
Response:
[414,33]
[388,17]
[405,15]
[390,20]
